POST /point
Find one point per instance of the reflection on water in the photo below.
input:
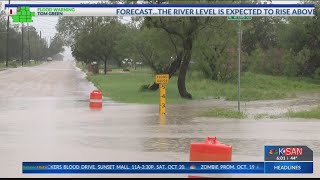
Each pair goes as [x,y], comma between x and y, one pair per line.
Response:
[162,120]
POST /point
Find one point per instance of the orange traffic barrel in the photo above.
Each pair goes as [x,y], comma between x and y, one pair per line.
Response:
[95,99]
[210,150]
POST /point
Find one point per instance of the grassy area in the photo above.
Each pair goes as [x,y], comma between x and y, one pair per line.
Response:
[124,87]
[15,64]
[253,87]
[32,63]
[313,113]
[261,116]
[223,113]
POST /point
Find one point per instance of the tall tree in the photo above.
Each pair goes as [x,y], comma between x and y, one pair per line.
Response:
[215,50]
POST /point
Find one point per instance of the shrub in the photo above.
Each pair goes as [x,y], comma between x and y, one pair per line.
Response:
[317,73]
[144,88]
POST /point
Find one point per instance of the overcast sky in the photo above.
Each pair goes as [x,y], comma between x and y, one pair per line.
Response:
[47,24]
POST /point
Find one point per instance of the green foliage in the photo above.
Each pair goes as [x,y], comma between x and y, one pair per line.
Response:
[260,32]
[223,113]
[12,64]
[301,35]
[214,51]
[144,88]
[253,87]
[270,45]
[310,114]
[126,87]
[56,46]
[317,74]
[270,61]
[154,48]
[99,43]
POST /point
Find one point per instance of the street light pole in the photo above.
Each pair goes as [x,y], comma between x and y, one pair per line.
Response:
[239,63]
[7,53]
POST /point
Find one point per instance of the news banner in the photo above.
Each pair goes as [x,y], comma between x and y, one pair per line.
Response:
[46,10]
[277,160]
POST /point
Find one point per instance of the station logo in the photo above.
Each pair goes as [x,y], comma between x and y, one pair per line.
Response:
[287,151]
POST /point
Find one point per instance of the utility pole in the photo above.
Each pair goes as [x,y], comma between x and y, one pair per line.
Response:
[29,43]
[8,24]
[239,63]
[40,47]
[22,45]
[92,23]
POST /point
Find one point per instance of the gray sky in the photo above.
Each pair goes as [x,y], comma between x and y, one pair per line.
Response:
[47,24]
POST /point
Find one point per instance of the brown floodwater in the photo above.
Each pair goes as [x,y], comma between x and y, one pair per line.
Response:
[44,116]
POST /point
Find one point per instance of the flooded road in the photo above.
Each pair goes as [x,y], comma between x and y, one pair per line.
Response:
[44,116]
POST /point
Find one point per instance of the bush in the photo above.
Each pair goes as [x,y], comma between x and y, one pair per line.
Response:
[317,73]
[144,88]
[269,61]
[12,64]
[220,67]
[294,64]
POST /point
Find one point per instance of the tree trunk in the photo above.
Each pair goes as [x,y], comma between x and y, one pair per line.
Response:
[119,63]
[154,87]
[174,66]
[184,68]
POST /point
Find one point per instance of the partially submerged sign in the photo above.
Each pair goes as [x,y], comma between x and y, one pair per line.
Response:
[162,78]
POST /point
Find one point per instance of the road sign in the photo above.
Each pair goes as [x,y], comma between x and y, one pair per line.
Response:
[239,17]
[162,78]
[162,107]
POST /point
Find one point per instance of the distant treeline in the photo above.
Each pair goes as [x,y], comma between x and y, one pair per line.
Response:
[34,47]
[288,46]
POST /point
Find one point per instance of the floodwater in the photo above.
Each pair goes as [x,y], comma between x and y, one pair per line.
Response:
[44,116]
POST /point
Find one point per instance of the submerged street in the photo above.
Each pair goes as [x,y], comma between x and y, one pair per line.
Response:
[44,116]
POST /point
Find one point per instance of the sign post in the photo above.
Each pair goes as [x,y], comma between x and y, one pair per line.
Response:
[239,18]
[162,80]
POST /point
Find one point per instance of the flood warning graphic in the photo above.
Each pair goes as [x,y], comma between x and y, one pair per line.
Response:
[23,15]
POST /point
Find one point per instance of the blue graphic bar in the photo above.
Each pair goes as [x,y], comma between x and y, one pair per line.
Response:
[288,167]
[167,5]
[143,167]
[166,167]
